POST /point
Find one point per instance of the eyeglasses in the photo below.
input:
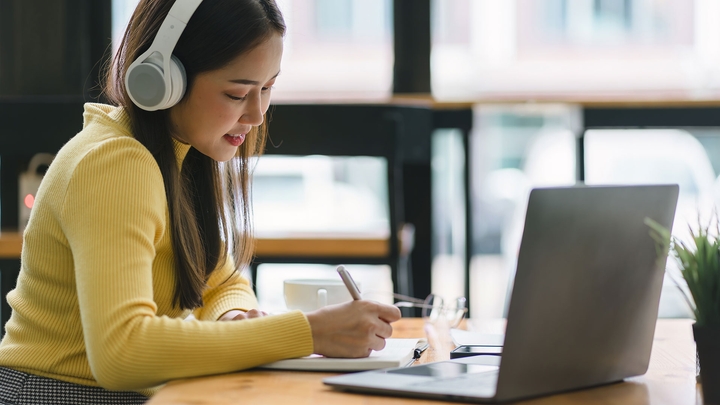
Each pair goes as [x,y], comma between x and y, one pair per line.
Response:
[434,308]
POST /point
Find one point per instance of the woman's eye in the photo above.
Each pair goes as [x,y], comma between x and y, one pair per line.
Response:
[268,88]
[236,98]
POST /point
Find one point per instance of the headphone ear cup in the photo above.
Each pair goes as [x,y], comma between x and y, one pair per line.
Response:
[145,84]
[178,81]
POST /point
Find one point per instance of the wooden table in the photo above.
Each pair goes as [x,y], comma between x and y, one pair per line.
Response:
[670,379]
[279,244]
[10,245]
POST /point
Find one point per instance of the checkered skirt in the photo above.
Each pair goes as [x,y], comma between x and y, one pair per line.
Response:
[18,388]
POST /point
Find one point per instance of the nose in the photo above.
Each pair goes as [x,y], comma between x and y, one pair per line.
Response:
[253,113]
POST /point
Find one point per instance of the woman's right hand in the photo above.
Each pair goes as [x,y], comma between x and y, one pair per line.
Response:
[352,329]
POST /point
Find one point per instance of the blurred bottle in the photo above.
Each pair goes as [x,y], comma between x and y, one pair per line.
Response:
[29,184]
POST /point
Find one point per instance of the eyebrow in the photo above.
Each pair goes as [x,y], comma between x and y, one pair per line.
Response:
[251,82]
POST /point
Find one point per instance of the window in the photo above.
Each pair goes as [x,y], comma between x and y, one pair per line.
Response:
[320,194]
[513,148]
[333,48]
[336,48]
[121,12]
[575,48]
[597,24]
[657,156]
[521,147]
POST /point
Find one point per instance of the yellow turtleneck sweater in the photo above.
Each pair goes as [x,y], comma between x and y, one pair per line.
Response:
[93,302]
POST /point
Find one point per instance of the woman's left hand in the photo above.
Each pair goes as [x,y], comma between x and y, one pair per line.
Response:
[237,315]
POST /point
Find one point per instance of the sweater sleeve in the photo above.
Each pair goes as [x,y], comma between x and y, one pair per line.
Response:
[227,290]
[112,216]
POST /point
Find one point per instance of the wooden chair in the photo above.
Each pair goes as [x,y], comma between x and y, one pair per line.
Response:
[346,130]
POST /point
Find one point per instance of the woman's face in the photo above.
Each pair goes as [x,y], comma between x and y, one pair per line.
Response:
[224,105]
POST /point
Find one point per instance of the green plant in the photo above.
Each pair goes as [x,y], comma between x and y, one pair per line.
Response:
[699,266]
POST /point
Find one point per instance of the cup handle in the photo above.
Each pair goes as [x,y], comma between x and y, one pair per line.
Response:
[321,298]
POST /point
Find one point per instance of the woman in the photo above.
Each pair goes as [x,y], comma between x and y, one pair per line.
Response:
[143,219]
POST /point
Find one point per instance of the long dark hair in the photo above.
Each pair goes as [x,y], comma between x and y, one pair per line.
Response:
[210,210]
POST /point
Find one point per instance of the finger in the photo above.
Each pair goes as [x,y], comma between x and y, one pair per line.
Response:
[240,316]
[253,313]
[384,330]
[377,343]
[389,313]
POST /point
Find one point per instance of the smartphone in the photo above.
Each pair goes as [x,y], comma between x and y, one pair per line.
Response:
[473,350]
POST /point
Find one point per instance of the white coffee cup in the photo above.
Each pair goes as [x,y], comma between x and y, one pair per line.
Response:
[311,294]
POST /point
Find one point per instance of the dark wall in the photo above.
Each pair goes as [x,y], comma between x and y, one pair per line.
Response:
[52,47]
[51,55]
[29,127]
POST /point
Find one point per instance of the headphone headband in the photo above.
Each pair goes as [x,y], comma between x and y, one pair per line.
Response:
[156,79]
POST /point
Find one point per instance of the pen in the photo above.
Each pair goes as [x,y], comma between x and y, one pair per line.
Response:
[349,282]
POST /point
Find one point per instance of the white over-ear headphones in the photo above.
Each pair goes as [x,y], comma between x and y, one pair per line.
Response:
[156,79]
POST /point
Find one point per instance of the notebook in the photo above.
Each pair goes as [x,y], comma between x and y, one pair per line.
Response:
[397,353]
[583,307]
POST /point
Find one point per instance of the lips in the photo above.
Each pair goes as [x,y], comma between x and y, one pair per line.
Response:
[234,139]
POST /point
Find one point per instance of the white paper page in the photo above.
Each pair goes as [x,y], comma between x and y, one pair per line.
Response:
[397,353]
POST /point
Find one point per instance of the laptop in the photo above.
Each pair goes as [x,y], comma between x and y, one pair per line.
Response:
[583,308]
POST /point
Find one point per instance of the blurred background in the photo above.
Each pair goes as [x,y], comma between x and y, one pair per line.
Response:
[527,69]
[496,52]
